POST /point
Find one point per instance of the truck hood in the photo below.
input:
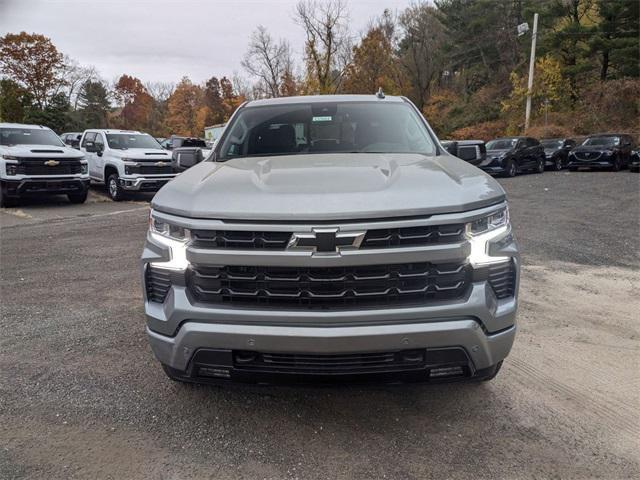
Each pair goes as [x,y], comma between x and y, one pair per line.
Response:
[142,154]
[328,187]
[40,151]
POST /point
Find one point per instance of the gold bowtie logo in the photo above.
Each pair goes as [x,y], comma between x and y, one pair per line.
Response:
[161,164]
[51,163]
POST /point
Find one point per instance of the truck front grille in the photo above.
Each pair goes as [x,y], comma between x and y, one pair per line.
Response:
[331,287]
[375,238]
[588,156]
[151,169]
[38,167]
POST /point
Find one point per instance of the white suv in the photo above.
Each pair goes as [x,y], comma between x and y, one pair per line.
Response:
[34,161]
[126,161]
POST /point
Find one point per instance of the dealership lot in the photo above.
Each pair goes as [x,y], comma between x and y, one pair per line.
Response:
[81,395]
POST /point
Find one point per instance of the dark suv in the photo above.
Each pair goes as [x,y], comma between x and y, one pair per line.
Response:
[512,155]
[557,151]
[609,150]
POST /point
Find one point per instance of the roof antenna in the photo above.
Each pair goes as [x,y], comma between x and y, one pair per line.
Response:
[380,93]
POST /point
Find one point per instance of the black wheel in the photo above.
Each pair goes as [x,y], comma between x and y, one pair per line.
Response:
[540,166]
[115,191]
[617,165]
[512,169]
[7,201]
[557,164]
[77,197]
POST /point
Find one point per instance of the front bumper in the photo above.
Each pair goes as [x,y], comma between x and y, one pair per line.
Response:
[493,165]
[217,343]
[144,184]
[46,185]
[600,162]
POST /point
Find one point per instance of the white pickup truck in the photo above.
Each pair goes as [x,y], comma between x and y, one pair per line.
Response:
[126,161]
[34,161]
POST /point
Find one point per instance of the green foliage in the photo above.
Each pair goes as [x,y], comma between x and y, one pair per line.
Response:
[13,101]
[94,104]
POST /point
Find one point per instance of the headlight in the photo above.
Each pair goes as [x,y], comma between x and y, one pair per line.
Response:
[489,223]
[174,237]
[12,168]
[482,231]
[9,157]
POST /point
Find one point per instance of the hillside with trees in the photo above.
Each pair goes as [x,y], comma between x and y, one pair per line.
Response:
[460,61]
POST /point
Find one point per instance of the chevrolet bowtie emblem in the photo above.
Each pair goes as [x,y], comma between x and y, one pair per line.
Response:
[161,164]
[51,163]
[326,240]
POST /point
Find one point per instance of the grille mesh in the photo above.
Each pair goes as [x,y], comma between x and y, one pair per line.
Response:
[335,287]
[37,167]
[375,238]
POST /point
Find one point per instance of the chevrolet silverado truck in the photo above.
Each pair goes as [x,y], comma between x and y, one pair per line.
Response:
[330,238]
[126,161]
[34,161]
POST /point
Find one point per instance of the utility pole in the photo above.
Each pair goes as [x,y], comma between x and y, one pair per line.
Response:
[532,61]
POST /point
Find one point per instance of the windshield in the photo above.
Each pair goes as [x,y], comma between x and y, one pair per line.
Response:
[602,141]
[332,127]
[29,136]
[124,141]
[502,144]
[551,143]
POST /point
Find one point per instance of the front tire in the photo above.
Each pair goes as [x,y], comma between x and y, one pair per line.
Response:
[512,169]
[115,191]
[557,164]
[5,200]
[540,166]
[77,197]
[617,166]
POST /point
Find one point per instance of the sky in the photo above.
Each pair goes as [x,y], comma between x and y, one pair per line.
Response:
[164,40]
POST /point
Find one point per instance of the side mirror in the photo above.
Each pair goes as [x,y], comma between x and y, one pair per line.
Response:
[90,147]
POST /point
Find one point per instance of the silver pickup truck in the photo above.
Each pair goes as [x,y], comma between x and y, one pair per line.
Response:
[330,238]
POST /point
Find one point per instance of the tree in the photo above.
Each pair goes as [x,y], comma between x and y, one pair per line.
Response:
[160,93]
[94,103]
[56,115]
[135,100]
[32,61]
[185,115]
[616,38]
[14,100]
[374,62]
[421,50]
[230,99]
[328,44]
[213,100]
[268,60]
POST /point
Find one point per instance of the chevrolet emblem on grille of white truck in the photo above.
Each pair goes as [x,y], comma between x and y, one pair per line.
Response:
[161,164]
[326,240]
[52,163]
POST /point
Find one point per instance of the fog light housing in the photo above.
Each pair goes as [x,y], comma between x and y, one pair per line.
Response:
[84,169]
[12,169]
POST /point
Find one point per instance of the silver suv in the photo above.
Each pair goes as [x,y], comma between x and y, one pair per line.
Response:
[330,237]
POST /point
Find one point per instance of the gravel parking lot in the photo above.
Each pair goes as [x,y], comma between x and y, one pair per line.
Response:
[81,395]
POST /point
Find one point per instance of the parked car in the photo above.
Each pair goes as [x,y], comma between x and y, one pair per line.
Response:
[512,155]
[556,151]
[72,139]
[189,152]
[330,237]
[634,161]
[33,160]
[609,150]
[126,161]
[472,151]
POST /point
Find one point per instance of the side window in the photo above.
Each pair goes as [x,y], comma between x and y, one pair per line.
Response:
[521,144]
[99,140]
[89,137]
[532,142]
